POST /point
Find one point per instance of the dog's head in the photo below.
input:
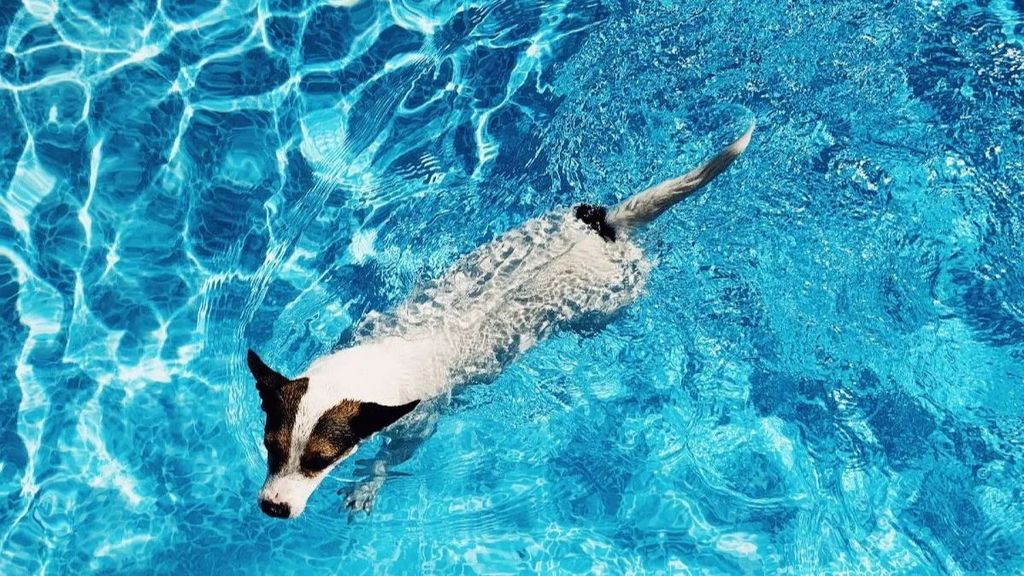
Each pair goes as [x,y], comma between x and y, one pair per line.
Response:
[306,435]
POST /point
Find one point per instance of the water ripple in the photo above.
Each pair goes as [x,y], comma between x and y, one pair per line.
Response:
[822,378]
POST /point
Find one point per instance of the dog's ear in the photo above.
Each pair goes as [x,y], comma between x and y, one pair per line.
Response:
[266,377]
[371,417]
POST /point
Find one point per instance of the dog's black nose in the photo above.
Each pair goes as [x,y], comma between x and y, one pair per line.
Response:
[275,509]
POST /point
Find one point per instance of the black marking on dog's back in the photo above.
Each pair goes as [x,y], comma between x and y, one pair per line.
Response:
[595,217]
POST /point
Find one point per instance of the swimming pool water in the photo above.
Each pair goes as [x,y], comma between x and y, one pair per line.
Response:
[825,375]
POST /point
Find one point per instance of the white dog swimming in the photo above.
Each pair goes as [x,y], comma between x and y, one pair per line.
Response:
[489,308]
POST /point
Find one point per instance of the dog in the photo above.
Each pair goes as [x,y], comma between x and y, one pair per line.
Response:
[489,308]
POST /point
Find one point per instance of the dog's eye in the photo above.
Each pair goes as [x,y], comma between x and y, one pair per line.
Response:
[316,462]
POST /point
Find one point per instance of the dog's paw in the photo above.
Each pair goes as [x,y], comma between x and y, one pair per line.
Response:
[361,498]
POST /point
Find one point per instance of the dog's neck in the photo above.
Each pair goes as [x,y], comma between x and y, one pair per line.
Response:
[390,371]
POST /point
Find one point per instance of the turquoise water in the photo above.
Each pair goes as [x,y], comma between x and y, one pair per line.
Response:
[825,375]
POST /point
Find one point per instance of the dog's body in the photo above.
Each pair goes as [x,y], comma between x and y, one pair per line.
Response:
[489,308]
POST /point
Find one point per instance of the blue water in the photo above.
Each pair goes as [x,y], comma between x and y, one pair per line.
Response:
[825,375]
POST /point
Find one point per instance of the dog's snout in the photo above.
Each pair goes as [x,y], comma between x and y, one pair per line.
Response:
[275,509]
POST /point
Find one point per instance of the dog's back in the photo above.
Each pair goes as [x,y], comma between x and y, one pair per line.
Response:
[503,297]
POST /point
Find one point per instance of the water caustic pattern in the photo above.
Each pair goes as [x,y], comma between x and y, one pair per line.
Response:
[824,375]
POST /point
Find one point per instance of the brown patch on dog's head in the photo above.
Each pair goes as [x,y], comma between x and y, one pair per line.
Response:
[341,428]
[279,399]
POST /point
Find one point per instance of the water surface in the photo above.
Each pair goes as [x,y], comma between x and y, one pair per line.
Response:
[824,375]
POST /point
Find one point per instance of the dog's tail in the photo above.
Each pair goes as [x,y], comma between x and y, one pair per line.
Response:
[649,204]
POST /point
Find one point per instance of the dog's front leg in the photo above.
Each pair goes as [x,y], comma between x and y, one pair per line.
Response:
[399,445]
[361,497]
